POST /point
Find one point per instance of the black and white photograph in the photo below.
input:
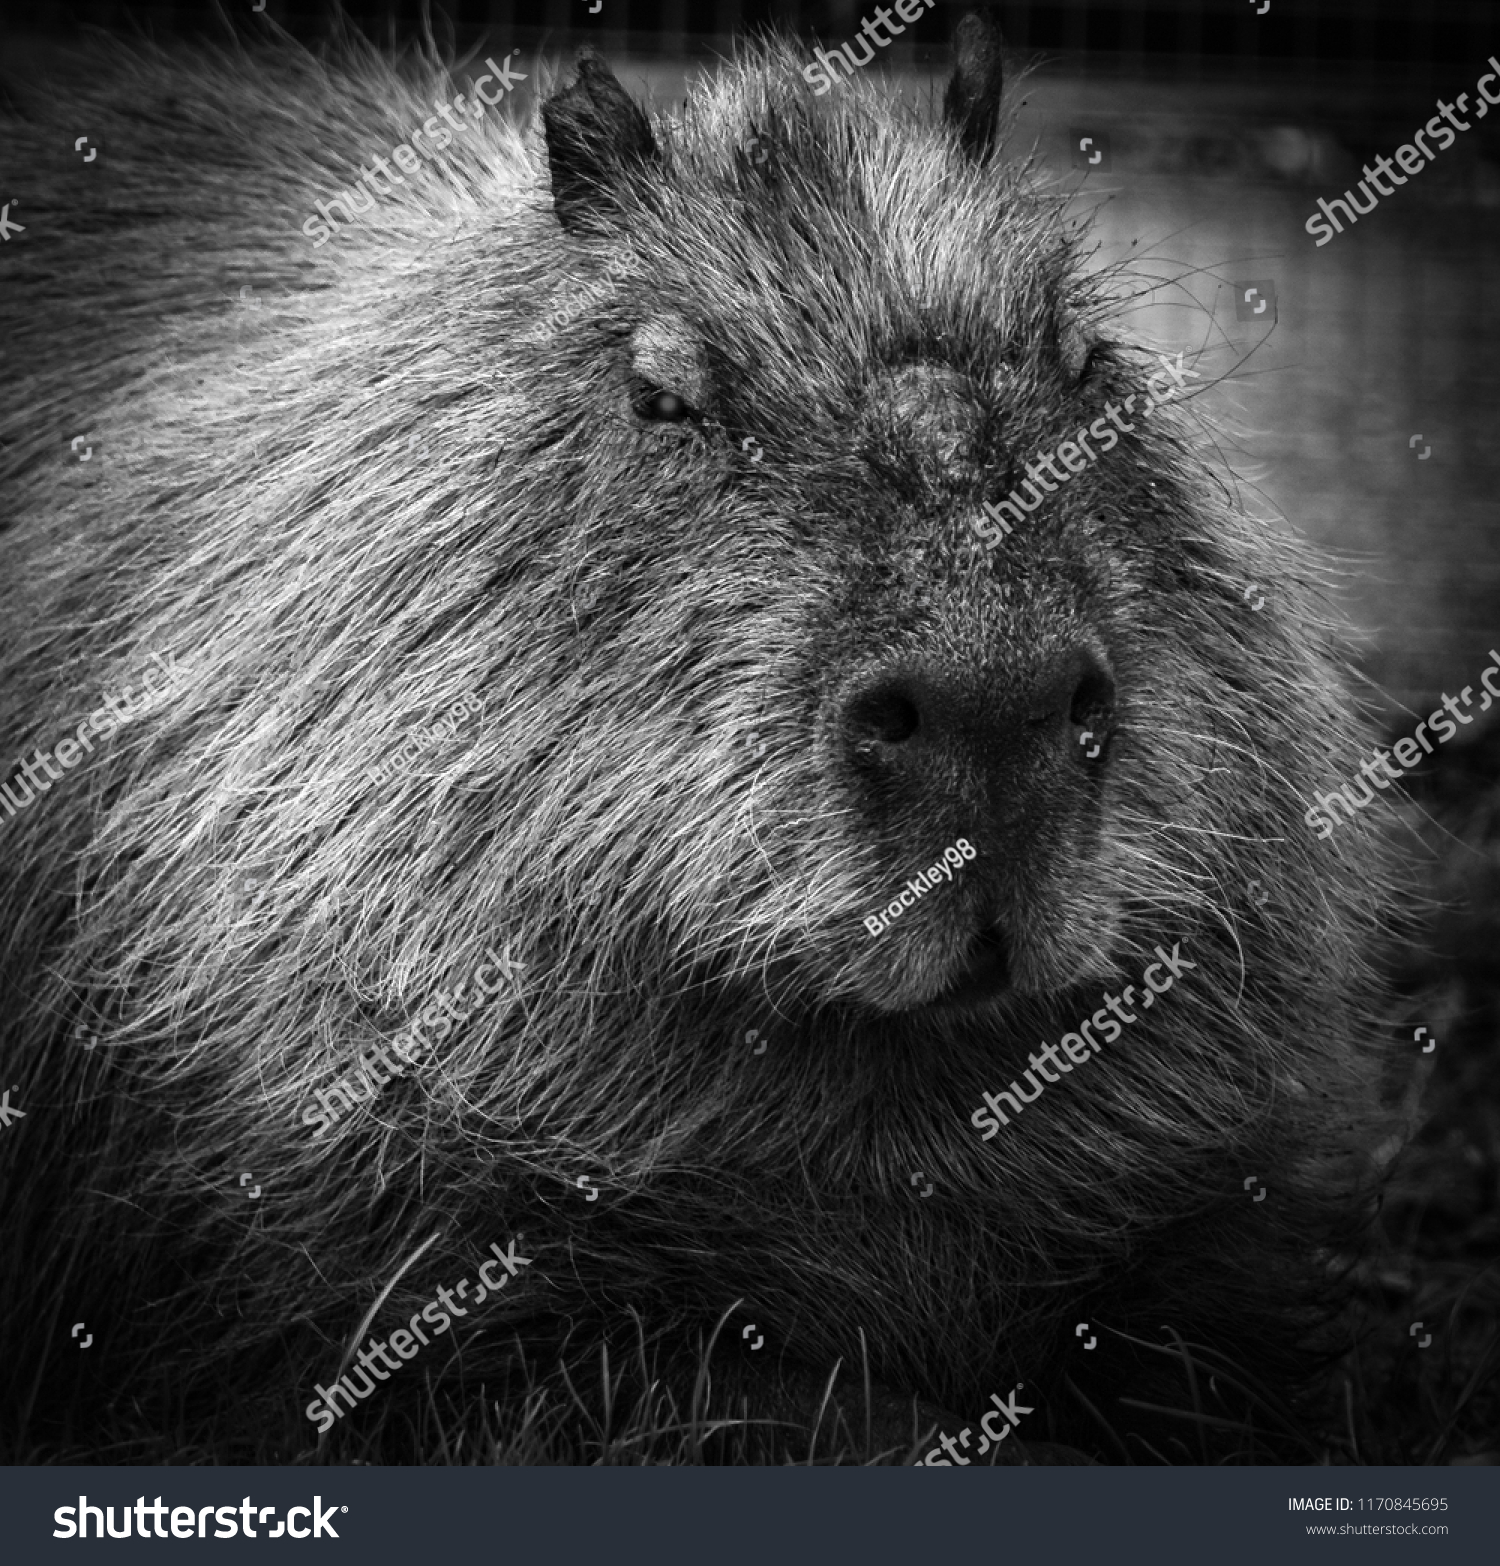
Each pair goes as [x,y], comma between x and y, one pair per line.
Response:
[745,735]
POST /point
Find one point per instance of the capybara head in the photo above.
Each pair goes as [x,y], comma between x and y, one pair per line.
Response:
[690,665]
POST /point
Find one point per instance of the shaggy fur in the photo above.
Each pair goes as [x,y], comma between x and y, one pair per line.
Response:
[706,553]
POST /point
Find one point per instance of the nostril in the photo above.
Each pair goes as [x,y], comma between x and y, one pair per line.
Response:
[1093,701]
[886,714]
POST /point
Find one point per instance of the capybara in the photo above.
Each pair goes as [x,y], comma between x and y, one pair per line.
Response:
[641,736]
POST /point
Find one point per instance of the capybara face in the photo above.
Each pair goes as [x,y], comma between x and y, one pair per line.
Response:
[855,681]
[678,690]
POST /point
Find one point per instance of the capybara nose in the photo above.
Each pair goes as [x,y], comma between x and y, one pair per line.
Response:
[917,721]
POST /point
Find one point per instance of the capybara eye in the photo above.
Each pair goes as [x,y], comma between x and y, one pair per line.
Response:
[664,407]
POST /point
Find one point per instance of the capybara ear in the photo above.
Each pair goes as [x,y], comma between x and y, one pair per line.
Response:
[595,130]
[971,104]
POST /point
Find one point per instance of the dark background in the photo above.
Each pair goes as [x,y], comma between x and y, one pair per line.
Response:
[1108,37]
